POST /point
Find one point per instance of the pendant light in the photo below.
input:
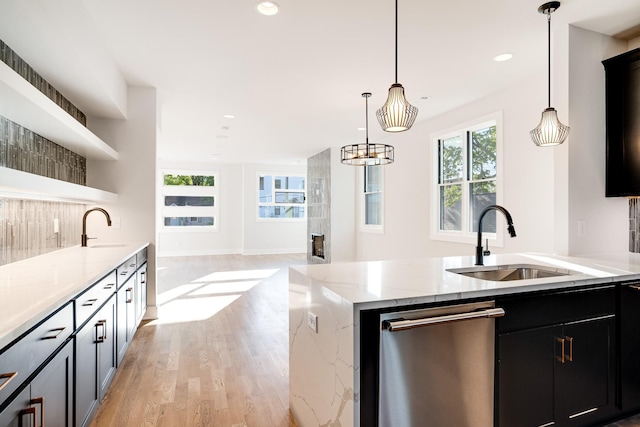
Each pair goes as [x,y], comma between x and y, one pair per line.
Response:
[549,131]
[366,154]
[396,115]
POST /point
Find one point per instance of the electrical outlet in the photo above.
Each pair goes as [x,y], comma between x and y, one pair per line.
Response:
[115,222]
[582,228]
[312,321]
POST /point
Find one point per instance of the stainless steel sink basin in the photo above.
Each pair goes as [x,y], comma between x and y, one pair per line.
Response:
[502,273]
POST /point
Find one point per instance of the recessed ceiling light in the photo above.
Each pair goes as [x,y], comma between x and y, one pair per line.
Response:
[268,8]
[503,57]
[229,116]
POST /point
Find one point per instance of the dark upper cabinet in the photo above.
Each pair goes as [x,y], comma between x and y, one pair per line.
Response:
[623,124]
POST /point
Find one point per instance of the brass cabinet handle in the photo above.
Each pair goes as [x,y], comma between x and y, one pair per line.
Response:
[39,401]
[561,357]
[28,411]
[570,357]
[8,376]
[89,302]
[54,335]
[636,287]
[129,295]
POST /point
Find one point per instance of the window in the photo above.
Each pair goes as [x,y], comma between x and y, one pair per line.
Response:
[189,200]
[281,197]
[372,200]
[467,179]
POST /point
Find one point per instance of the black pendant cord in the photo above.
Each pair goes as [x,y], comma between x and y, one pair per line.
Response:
[396,41]
[549,54]
[366,119]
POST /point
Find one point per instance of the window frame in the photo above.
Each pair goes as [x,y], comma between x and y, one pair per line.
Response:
[466,235]
[364,227]
[273,175]
[189,211]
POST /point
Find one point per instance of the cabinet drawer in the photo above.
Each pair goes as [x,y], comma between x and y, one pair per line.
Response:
[537,310]
[19,360]
[141,257]
[126,270]
[94,297]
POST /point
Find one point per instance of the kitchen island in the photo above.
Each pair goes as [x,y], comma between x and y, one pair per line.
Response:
[327,303]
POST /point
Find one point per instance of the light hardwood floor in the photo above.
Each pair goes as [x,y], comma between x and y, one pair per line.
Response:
[220,355]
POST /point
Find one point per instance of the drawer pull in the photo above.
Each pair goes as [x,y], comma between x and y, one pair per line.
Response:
[636,287]
[143,277]
[129,295]
[8,377]
[54,335]
[132,265]
[89,302]
[109,286]
[124,273]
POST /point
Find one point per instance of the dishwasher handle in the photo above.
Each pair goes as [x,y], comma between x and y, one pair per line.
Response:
[402,324]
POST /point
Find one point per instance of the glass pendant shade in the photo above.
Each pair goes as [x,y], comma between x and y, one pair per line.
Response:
[549,131]
[396,115]
[366,154]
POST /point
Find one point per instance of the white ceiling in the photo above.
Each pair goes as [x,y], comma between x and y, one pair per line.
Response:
[293,80]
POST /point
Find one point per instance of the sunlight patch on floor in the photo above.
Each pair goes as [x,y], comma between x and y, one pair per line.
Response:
[204,297]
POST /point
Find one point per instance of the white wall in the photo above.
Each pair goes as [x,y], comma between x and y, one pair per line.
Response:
[606,218]
[228,238]
[547,190]
[527,174]
[269,237]
[132,177]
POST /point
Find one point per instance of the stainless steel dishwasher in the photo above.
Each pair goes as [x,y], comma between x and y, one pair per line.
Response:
[437,366]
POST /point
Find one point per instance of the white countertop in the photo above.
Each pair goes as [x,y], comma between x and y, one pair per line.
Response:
[33,288]
[427,280]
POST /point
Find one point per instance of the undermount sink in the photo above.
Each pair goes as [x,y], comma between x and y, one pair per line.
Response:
[503,273]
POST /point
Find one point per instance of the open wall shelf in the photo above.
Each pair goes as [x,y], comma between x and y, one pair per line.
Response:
[25,105]
[24,185]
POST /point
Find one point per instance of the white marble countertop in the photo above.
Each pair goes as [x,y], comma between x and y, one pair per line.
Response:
[33,288]
[394,282]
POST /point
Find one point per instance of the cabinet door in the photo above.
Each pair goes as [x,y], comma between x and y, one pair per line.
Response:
[52,390]
[585,383]
[125,318]
[526,365]
[630,347]
[87,371]
[106,346]
[141,294]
